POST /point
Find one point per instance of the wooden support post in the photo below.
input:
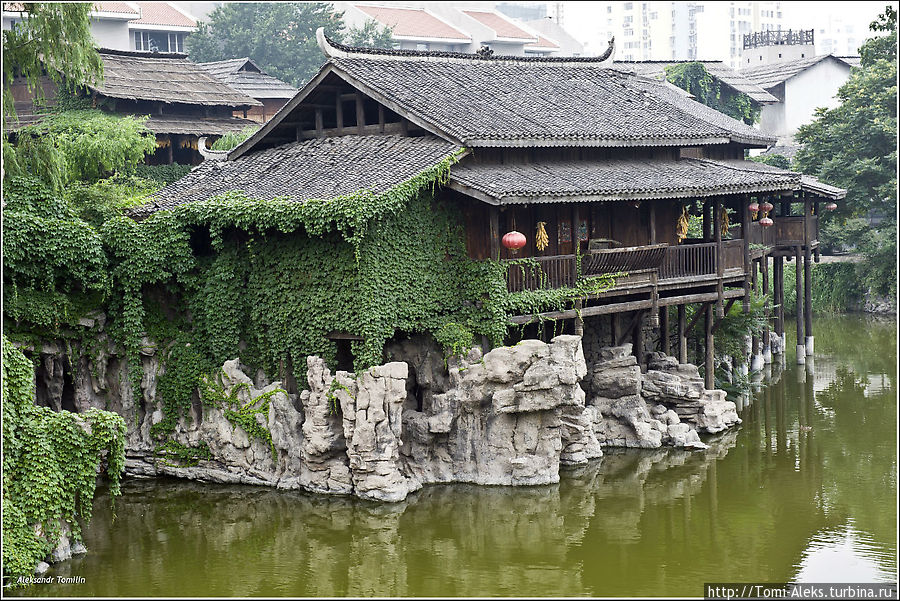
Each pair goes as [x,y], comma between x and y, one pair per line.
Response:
[637,338]
[381,118]
[652,222]
[696,318]
[339,114]
[682,336]
[798,277]
[579,320]
[360,114]
[320,128]
[710,380]
[745,234]
[720,256]
[778,273]
[664,329]
[620,338]
[707,221]
[807,273]
[756,356]
[494,232]
[614,328]
[766,344]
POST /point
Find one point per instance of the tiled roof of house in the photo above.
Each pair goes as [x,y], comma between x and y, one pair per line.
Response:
[162,13]
[574,181]
[719,70]
[543,43]
[543,103]
[117,8]
[503,27]
[807,182]
[413,23]
[320,168]
[169,78]
[769,76]
[243,75]
[853,61]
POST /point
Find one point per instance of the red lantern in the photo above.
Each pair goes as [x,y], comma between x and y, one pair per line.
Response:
[766,206]
[766,222]
[754,209]
[513,241]
[831,206]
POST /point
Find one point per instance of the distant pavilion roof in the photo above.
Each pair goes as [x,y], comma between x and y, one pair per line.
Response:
[164,77]
[245,76]
[807,182]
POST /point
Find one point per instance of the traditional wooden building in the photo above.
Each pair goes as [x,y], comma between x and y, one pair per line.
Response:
[183,101]
[246,77]
[596,167]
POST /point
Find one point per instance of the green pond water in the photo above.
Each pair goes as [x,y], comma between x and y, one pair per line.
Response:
[805,490]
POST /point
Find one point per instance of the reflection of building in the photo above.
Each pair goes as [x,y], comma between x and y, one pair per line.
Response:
[144,26]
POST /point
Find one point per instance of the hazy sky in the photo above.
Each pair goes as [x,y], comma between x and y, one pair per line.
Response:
[582,19]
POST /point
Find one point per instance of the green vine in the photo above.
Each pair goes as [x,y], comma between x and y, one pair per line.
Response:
[186,456]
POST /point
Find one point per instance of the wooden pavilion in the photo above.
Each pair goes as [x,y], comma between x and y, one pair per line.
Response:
[602,162]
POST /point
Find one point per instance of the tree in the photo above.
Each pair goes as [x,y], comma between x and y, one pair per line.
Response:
[370,35]
[854,146]
[695,79]
[52,39]
[279,37]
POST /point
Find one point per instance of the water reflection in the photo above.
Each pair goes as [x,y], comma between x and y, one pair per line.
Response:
[808,480]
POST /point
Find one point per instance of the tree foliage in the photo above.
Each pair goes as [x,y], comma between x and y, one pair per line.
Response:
[695,79]
[370,35]
[279,36]
[854,146]
[52,39]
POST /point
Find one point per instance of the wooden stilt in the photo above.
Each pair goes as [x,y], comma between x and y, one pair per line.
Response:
[798,277]
[778,292]
[664,329]
[720,256]
[766,344]
[682,337]
[579,320]
[637,338]
[614,328]
[710,381]
[807,274]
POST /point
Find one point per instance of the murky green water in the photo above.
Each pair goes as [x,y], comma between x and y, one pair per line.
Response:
[805,490]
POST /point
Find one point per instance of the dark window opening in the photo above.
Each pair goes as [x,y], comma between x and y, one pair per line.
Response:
[349,107]
[344,355]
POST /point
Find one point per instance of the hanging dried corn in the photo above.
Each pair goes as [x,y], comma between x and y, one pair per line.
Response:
[726,224]
[541,240]
[681,227]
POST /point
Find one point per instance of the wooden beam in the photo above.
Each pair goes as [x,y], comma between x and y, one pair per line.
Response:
[388,128]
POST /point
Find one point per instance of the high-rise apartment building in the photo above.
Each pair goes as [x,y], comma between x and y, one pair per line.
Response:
[685,30]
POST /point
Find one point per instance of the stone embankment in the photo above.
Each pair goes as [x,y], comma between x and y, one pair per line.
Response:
[512,416]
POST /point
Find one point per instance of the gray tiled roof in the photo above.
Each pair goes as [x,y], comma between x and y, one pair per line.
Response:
[198,126]
[243,75]
[718,69]
[769,76]
[807,182]
[320,168]
[169,78]
[504,103]
[574,181]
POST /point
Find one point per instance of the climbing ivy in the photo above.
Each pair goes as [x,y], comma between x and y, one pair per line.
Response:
[695,79]
[50,465]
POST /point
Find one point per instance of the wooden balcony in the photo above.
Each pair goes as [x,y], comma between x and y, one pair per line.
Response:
[789,230]
[686,261]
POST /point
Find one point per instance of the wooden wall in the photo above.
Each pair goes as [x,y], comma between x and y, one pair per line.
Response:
[620,221]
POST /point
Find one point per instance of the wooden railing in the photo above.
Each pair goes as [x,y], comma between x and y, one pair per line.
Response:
[557,271]
[687,260]
[733,250]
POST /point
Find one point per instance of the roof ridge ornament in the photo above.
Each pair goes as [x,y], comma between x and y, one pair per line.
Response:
[333,49]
